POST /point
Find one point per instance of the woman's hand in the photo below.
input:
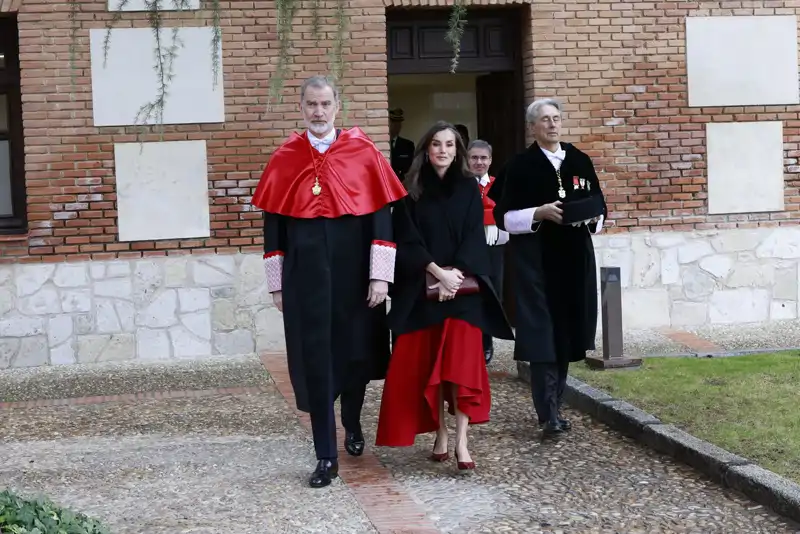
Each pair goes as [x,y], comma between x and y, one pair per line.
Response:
[444,294]
[451,279]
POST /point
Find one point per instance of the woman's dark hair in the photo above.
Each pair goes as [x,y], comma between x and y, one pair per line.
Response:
[420,161]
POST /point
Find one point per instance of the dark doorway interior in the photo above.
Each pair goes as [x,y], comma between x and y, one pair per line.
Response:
[500,115]
[12,154]
[491,48]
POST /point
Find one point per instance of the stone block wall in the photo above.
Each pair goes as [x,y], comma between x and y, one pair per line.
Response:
[185,307]
[692,279]
[202,305]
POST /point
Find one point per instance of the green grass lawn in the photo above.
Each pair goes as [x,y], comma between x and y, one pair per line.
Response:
[749,405]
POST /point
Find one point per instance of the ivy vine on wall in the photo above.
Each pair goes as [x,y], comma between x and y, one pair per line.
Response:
[455,30]
[166,48]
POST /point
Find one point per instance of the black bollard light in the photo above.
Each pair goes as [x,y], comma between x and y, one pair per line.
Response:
[611,310]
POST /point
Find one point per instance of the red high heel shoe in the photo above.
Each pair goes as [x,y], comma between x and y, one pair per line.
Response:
[464,466]
[439,456]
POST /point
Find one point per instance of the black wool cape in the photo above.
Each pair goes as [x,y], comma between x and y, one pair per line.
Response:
[444,225]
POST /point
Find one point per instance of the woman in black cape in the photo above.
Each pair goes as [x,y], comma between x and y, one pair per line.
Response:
[438,355]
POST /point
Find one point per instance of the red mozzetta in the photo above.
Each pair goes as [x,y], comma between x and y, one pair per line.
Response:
[353,176]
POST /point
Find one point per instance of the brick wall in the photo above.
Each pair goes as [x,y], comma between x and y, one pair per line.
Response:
[70,163]
[619,66]
[622,69]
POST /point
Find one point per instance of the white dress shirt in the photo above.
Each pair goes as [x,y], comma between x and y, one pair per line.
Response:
[556,158]
[322,144]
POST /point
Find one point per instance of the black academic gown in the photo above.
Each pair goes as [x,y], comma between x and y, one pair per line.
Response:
[445,226]
[555,273]
[326,273]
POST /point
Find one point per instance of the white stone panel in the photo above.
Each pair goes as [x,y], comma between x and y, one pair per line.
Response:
[152,344]
[745,167]
[781,310]
[742,60]
[140,5]
[125,81]
[744,305]
[162,190]
[645,308]
[689,313]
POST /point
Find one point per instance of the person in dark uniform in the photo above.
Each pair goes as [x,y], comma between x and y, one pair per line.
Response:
[402,149]
[463,131]
[554,263]
[329,257]
[479,157]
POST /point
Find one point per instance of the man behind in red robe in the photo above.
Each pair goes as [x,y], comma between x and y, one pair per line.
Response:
[479,153]
[329,257]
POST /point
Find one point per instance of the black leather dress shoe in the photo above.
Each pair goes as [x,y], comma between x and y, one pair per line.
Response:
[551,428]
[488,354]
[354,443]
[564,423]
[325,472]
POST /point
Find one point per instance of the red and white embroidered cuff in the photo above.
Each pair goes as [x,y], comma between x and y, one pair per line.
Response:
[381,261]
[273,266]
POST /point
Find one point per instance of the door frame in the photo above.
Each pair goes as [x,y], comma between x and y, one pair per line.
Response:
[11,85]
[509,16]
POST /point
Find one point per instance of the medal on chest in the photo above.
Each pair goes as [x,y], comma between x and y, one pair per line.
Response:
[316,189]
[561,192]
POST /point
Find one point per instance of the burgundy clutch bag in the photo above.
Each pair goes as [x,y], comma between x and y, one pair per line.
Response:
[469,286]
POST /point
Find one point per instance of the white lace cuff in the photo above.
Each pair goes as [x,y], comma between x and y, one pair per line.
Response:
[599,225]
[382,255]
[520,221]
[273,266]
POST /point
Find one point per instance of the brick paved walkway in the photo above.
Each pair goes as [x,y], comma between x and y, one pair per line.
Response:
[234,459]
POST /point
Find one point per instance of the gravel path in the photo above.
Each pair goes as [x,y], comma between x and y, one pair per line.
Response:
[593,481]
[215,465]
[238,464]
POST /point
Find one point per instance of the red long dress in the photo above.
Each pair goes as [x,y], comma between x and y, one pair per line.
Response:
[438,343]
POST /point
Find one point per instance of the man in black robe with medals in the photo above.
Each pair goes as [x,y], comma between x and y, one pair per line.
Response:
[329,257]
[550,202]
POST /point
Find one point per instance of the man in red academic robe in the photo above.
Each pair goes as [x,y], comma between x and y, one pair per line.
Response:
[479,154]
[329,257]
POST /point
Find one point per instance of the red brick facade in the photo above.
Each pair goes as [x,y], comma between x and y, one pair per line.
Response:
[619,66]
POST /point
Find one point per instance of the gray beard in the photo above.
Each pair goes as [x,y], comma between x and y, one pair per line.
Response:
[318,129]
